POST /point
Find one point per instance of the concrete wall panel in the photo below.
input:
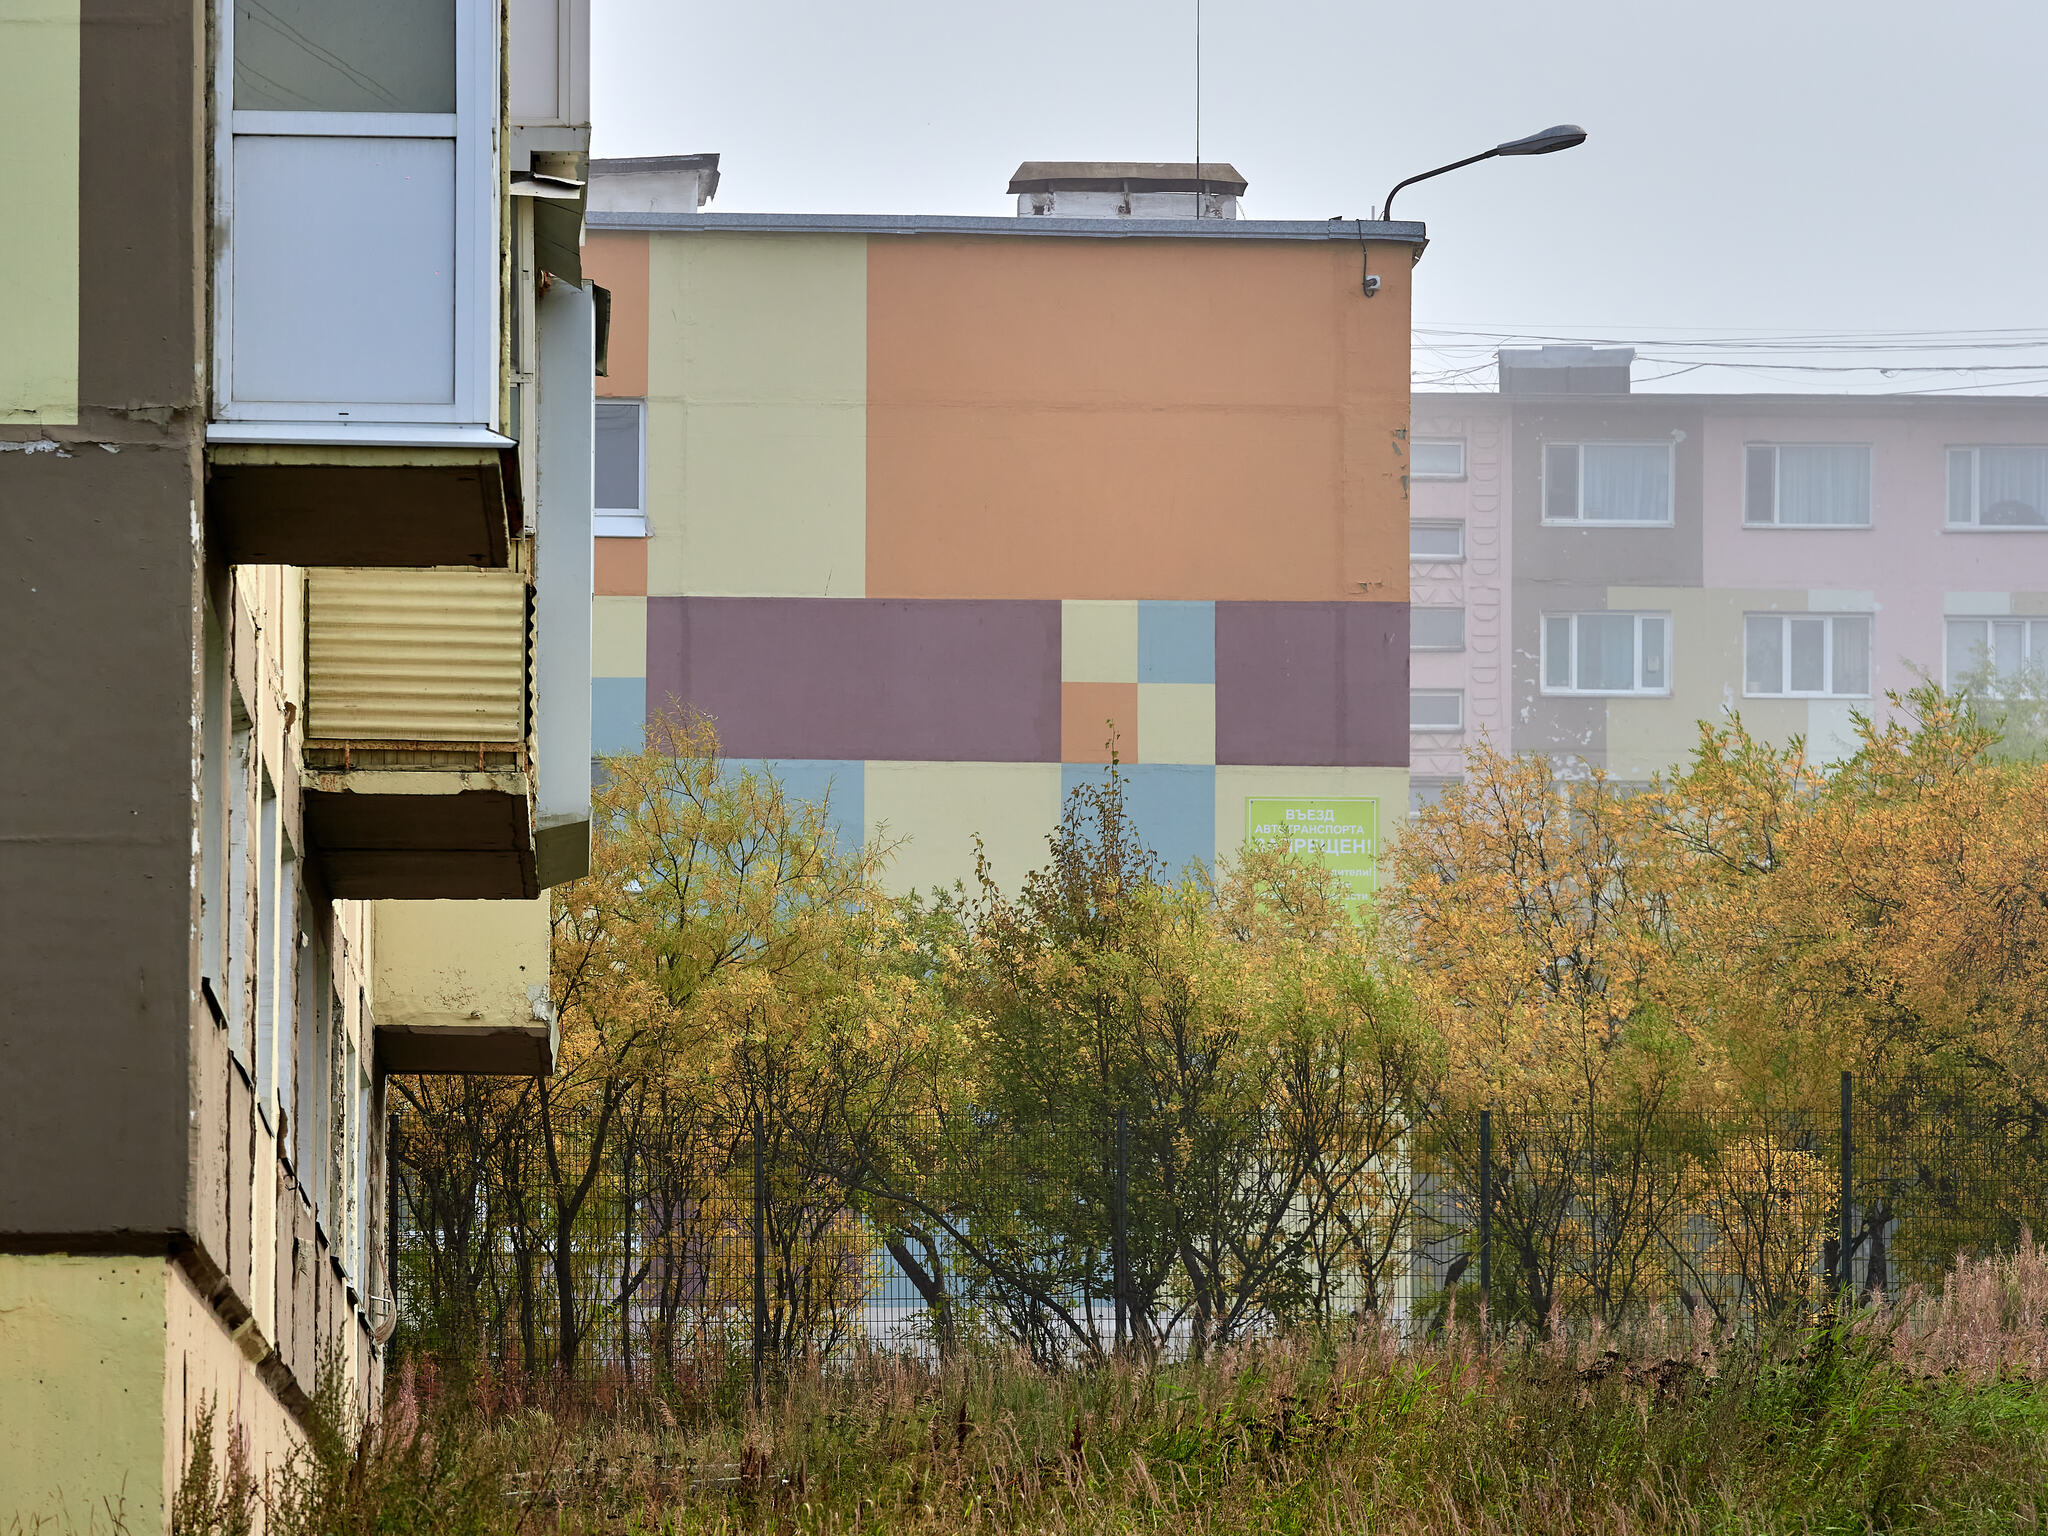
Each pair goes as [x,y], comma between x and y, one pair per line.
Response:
[821,678]
[936,809]
[82,1410]
[1130,418]
[1322,683]
[757,392]
[39,106]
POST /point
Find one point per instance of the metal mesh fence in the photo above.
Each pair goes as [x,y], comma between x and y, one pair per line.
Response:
[659,1240]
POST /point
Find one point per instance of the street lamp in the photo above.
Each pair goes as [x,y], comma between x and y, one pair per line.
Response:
[1548,142]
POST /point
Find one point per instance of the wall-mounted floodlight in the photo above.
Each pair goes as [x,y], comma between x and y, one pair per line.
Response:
[1548,142]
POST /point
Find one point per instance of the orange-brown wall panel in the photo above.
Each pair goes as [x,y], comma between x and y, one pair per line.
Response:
[1016,502]
[618,261]
[1135,418]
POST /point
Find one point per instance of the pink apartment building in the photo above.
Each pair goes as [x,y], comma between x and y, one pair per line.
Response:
[1595,571]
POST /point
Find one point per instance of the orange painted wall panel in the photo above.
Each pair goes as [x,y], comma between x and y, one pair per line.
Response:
[1135,418]
[621,568]
[618,260]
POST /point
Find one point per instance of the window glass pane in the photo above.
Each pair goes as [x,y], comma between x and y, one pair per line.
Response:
[2012,487]
[1823,487]
[1965,651]
[1627,482]
[1762,482]
[1436,711]
[1653,654]
[1806,648]
[1557,652]
[1607,651]
[1561,481]
[618,456]
[1436,541]
[345,55]
[2008,644]
[1440,458]
[1763,642]
[1436,629]
[1852,657]
[1959,510]
[2037,643]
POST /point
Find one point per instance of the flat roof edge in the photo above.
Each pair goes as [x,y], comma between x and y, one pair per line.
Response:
[1399,231]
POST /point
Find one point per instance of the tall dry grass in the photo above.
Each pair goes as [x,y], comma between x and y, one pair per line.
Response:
[1929,1416]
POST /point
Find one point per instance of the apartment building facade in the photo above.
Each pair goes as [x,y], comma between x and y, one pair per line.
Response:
[295,479]
[1596,571]
[926,512]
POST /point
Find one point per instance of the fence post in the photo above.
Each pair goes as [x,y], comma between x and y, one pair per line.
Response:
[760,1255]
[1843,1196]
[1120,1259]
[1486,1207]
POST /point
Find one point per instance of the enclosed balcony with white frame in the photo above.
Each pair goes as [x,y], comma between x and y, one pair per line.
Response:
[357,304]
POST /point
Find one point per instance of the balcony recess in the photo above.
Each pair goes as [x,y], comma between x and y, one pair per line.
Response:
[418,758]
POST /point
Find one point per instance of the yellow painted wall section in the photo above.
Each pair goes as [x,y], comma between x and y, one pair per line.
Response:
[460,962]
[1656,735]
[618,637]
[39,91]
[82,1392]
[757,415]
[936,810]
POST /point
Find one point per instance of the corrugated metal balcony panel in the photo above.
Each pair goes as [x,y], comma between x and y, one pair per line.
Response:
[409,655]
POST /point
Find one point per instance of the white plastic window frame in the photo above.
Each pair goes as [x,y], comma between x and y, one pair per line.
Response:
[1417,472]
[1419,728]
[1416,645]
[1455,524]
[622,522]
[1751,520]
[1577,519]
[473,125]
[1573,691]
[1784,621]
[1976,523]
[2028,656]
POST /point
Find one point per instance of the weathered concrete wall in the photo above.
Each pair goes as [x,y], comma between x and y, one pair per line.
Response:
[98,620]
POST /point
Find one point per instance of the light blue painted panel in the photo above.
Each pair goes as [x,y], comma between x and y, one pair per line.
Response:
[1174,804]
[618,711]
[1176,642]
[840,786]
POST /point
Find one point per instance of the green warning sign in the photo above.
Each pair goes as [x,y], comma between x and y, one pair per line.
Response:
[1341,832]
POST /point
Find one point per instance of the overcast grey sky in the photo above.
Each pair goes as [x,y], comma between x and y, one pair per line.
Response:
[1754,166]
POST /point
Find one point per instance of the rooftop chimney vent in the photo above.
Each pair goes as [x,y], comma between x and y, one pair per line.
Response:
[1127,189]
[1565,370]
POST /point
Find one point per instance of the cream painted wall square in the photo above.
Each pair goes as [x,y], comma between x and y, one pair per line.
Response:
[618,637]
[1099,642]
[759,501]
[1176,722]
[1011,806]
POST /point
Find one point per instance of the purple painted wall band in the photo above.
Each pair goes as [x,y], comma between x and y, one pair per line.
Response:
[905,679]
[1312,683]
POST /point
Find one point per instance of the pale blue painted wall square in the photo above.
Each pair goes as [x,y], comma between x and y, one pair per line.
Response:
[618,711]
[840,786]
[1176,642]
[1174,805]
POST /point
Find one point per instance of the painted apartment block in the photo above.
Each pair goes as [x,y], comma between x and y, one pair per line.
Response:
[1596,571]
[923,511]
[296,411]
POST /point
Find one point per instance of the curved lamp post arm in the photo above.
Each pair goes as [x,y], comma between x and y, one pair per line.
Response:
[1548,142]
[1387,208]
